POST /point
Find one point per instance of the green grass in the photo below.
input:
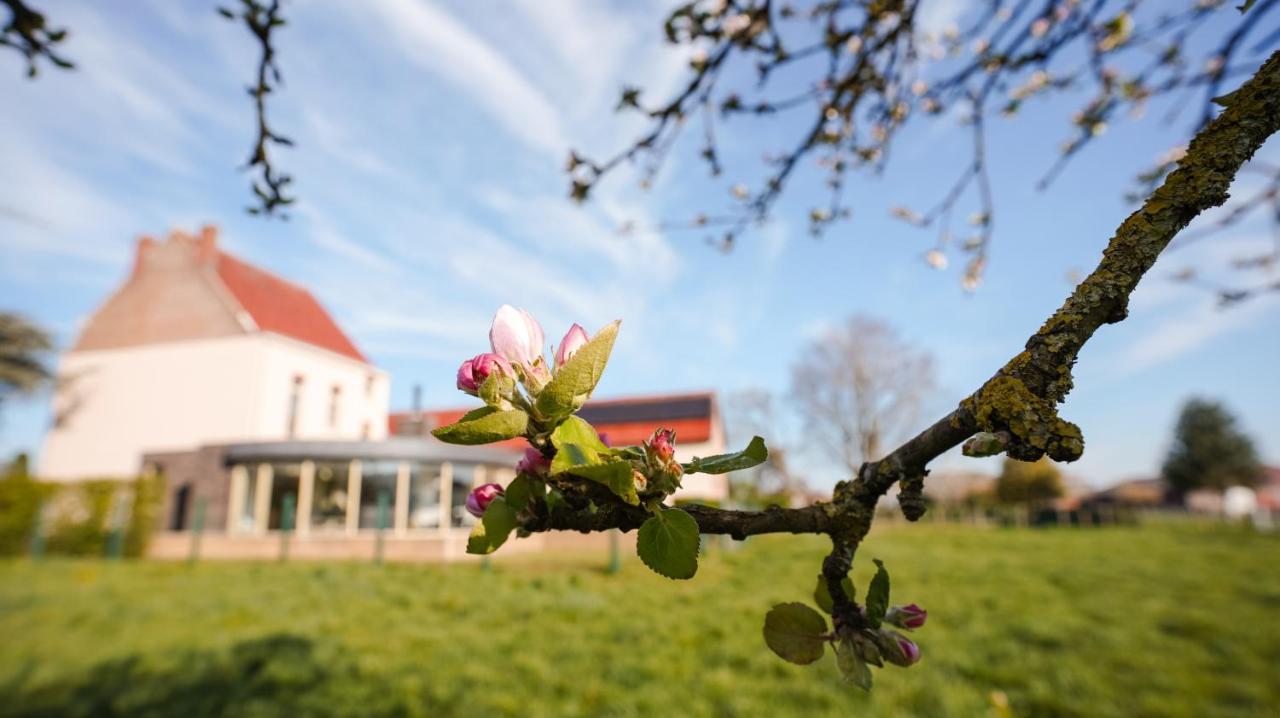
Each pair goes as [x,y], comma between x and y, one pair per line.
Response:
[1169,620]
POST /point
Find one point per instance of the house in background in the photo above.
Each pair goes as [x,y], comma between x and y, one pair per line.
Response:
[263,416]
[695,418]
[199,347]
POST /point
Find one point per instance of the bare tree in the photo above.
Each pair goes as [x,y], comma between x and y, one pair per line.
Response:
[859,387]
[756,413]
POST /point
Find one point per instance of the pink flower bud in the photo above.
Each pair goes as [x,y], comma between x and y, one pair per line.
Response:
[467,378]
[909,649]
[516,336]
[533,463]
[573,340]
[909,616]
[897,648]
[663,444]
[480,498]
[474,371]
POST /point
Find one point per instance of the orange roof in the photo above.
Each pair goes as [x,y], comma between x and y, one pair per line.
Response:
[626,421]
[283,307]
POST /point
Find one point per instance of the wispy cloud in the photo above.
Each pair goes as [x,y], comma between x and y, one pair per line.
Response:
[437,42]
[1186,332]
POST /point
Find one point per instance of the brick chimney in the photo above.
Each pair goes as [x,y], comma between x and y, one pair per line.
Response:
[207,244]
[145,245]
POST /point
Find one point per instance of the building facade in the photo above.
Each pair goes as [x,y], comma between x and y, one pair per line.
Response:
[271,428]
[198,347]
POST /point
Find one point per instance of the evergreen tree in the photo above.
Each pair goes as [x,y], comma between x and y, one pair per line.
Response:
[1022,482]
[1208,451]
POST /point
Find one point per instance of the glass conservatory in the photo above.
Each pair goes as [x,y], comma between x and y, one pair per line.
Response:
[331,489]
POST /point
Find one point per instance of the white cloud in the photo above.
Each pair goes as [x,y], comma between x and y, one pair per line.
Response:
[324,234]
[1180,317]
[1186,332]
[438,43]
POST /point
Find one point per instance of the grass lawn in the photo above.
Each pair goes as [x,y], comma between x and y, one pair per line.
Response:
[1154,621]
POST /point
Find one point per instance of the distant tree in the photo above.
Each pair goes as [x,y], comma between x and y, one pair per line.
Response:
[858,387]
[23,350]
[1208,451]
[756,413]
[1022,482]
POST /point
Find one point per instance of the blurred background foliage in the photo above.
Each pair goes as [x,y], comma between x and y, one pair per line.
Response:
[76,519]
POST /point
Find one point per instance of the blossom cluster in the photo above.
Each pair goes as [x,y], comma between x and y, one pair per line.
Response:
[517,340]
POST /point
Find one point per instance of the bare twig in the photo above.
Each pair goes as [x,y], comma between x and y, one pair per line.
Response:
[29,33]
[871,71]
[270,187]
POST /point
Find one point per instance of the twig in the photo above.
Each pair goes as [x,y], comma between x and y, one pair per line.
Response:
[270,186]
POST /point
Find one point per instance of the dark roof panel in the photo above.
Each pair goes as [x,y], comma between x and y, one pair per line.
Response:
[652,410]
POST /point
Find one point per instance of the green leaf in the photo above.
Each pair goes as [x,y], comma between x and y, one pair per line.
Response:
[580,452]
[616,475]
[573,383]
[668,543]
[878,595]
[484,426]
[519,492]
[1245,7]
[492,391]
[577,444]
[493,529]
[795,632]
[852,668]
[822,594]
[754,455]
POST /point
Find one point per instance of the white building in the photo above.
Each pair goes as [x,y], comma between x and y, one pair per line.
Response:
[198,347]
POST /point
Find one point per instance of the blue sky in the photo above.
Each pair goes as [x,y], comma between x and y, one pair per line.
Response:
[430,143]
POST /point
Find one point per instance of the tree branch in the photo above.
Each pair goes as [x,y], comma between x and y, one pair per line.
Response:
[28,33]
[262,19]
[1021,398]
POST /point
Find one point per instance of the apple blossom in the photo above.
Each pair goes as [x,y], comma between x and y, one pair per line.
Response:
[474,371]
[897,648]
[517,337]
[663,444]
[533,463]
[480,498]
[573,340]
[909,616]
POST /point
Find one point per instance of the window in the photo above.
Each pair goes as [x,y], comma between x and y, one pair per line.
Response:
[285,479]
[464,477]
[295,399]
[248,502]
[424,496]
[335,398]
[181,497]
[329,496]
[377,478]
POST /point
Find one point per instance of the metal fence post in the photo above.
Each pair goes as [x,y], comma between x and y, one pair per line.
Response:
[39,541]
[197,528]
[287,511]
[384,513]
[115,534]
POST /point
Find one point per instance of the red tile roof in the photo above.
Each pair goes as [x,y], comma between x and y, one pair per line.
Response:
[283,307]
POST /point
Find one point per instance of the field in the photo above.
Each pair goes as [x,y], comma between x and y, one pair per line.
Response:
[1153,621]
